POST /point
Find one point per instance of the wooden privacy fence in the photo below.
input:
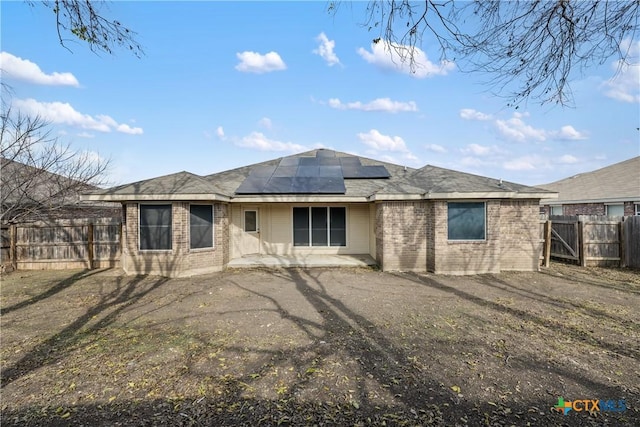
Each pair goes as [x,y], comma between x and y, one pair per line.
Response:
[590,240]
[61,244]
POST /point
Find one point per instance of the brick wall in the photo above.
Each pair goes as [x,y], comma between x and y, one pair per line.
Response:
[465,257]
[584,209]
[180,260]
[520,243]
[401,242]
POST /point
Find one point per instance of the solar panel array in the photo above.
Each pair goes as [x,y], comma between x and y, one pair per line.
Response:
[323,174]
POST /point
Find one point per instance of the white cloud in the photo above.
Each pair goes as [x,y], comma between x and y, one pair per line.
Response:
[23,69]
[124,128]
[480,150]
[515,129]
[85,135]
[379,104]
[265,122]
[385,55]
[378,141]
[625,85]
[220,132]
[526,163]
[471,114]
[325,50]
[568,159]
[64,113]
[259,141]
[253,62]
[568,133]
[436,148]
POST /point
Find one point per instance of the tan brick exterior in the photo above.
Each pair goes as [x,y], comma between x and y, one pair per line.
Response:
[520,238]
[401,235]
[180,260]
[413,236]
[409,236]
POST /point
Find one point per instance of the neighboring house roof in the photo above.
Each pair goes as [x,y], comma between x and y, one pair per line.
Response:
[615,183]
[399,182]
[30,193]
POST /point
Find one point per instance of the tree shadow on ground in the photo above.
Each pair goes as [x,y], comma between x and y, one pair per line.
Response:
[523,315]
[126,292]
[53,290]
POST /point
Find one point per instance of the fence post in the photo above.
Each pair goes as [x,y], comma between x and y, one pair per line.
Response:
[90,244]
[13,251]
[623,243]
[582,245]
[547,243]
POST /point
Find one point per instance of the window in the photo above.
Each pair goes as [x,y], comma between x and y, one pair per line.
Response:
[556,210]
[201,226]
[615,210]
[320,226]
[251,221]
[155,227]
[637,205]
[466,220]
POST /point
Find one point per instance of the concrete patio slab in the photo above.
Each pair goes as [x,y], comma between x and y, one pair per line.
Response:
[257,260]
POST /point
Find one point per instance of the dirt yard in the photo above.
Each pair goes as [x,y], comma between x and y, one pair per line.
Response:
[321,347]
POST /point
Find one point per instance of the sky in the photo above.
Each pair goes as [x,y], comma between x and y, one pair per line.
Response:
[227,84]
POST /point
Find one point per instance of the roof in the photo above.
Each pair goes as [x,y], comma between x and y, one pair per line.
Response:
[397,183]
[614,183]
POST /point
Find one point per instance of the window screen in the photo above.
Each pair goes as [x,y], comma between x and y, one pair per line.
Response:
[300,226]
[338,226]
[319,227]
[155,227]
[201,226]
[466,221]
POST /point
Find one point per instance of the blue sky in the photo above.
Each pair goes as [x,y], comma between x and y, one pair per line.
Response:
[223,85]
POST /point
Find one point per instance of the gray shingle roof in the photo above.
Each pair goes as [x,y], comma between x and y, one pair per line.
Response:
[402,181]
[617,182]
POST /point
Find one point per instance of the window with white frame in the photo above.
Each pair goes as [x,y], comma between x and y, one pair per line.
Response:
[615,210]
[200,226]
[637,205]
[466,220]
[155,227]
[251,221]
[556,210]
[319,226]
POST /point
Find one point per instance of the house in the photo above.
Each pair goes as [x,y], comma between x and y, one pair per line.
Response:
[35,194]
[324,202]
[613,190]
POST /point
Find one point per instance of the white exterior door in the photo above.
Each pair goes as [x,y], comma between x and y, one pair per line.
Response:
[250,240]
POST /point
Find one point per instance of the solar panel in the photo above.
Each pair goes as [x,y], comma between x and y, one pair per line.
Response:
[308,161]
[330,171]
[279,185]
[251,185]
[328,161]
[318,185]
[308,171]
[289,161]
[284,171]
[323,174]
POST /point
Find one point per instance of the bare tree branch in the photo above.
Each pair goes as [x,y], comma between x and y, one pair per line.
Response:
[40,176]
[527,49]
[84,20]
